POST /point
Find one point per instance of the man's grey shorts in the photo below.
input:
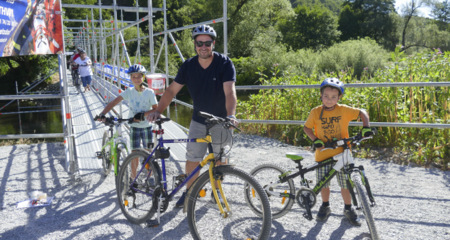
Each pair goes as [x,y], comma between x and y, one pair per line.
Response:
[220,138]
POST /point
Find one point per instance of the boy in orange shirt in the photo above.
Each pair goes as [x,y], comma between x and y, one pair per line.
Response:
[329,121]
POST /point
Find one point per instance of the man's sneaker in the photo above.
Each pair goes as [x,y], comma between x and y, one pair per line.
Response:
[180,202]
[352,217]
[323,213]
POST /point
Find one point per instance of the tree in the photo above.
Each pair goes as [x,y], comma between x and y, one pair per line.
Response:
[408,11]
[441,13]
[368,18]
[252,22]
[312,27]
[332,5]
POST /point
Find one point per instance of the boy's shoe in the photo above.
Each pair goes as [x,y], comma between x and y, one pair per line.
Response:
[180,202]
[352,217]
[324,213]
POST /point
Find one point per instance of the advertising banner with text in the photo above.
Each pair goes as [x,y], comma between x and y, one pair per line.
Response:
[29,27]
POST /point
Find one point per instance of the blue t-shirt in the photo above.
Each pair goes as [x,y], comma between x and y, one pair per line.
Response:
[206,85]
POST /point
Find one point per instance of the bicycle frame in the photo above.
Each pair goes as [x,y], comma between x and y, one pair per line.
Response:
[208,159]
[116,143]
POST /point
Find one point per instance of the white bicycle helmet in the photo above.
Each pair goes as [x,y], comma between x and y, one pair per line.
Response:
[204,29]
[137,68]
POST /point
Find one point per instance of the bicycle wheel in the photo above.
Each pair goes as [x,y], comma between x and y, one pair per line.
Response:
[205,220]
[362,197]
[268,174]
[106,154]
[136,184]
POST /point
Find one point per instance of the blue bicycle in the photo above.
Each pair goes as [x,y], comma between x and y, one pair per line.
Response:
[217,204]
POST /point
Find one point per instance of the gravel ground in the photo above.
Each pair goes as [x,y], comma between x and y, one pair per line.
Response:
[412,202]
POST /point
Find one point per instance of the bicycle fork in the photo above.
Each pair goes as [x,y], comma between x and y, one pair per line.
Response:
[365,181]
[216,183]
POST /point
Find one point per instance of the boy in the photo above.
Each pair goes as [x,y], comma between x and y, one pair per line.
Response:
[140,99]
[331,120]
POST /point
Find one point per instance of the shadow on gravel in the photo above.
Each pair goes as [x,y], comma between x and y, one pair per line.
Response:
[6,175]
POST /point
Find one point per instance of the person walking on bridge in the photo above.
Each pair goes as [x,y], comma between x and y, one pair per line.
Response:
[210,78]
[84,69]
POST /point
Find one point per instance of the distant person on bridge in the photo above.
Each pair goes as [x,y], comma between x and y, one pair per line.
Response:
[330,121]
[84,69]
[210,78]
[140,101]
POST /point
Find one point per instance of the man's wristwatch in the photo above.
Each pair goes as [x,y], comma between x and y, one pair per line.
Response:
[231,116]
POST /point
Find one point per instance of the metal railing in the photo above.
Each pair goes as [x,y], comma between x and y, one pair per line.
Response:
[357,85]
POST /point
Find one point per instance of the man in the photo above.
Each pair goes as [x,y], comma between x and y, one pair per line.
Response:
[84,69]
[210,78]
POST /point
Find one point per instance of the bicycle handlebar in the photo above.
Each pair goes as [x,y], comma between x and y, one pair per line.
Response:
[342,142]
[111,121]
[216,120]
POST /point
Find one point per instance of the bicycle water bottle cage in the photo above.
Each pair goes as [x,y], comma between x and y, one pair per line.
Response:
[162,153]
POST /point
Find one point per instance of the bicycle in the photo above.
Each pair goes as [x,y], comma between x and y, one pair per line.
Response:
[114,145]
[75,77]
[280,188]
[143,191]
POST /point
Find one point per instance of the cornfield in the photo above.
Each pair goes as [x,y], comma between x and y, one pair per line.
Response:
[425,146]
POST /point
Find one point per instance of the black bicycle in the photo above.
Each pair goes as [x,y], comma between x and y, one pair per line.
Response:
[280,188]
[75,77]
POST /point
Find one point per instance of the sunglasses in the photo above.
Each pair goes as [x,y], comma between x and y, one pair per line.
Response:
[200,43]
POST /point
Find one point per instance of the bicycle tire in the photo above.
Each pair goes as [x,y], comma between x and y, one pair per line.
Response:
[205,220]
[135,195]
[360,191]
[267,174]
[106,154]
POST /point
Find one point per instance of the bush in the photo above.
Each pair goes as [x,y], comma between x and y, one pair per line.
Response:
[364,56]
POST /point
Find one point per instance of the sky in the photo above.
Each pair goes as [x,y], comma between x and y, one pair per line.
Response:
[424,11]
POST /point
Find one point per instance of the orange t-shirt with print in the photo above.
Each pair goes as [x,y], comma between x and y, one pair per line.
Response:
[333,124]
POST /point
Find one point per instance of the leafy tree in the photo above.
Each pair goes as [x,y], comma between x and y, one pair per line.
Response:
[252,22]
[314,27]
[408,11]
[441,13]
[368,18]
[332,5]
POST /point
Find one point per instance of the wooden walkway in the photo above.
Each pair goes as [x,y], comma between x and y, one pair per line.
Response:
[88,133]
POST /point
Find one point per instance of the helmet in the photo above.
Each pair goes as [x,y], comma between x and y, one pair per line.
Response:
[204,29]
[136,68]
[333,82]
[80,50]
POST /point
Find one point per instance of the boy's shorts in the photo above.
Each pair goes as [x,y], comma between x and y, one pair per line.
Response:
[139,135]
[340,176]
[195,152]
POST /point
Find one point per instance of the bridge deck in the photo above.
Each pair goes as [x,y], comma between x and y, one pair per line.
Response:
[88,133]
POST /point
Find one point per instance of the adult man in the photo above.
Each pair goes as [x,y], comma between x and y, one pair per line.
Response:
[210,78]
[84,69]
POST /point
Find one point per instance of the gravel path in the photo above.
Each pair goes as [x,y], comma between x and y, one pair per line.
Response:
[413,202]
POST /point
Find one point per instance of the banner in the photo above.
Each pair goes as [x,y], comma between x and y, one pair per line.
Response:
[29,27]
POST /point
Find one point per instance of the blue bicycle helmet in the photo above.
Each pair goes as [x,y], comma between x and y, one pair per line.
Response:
[204,29]
[136,68]
[333,82]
